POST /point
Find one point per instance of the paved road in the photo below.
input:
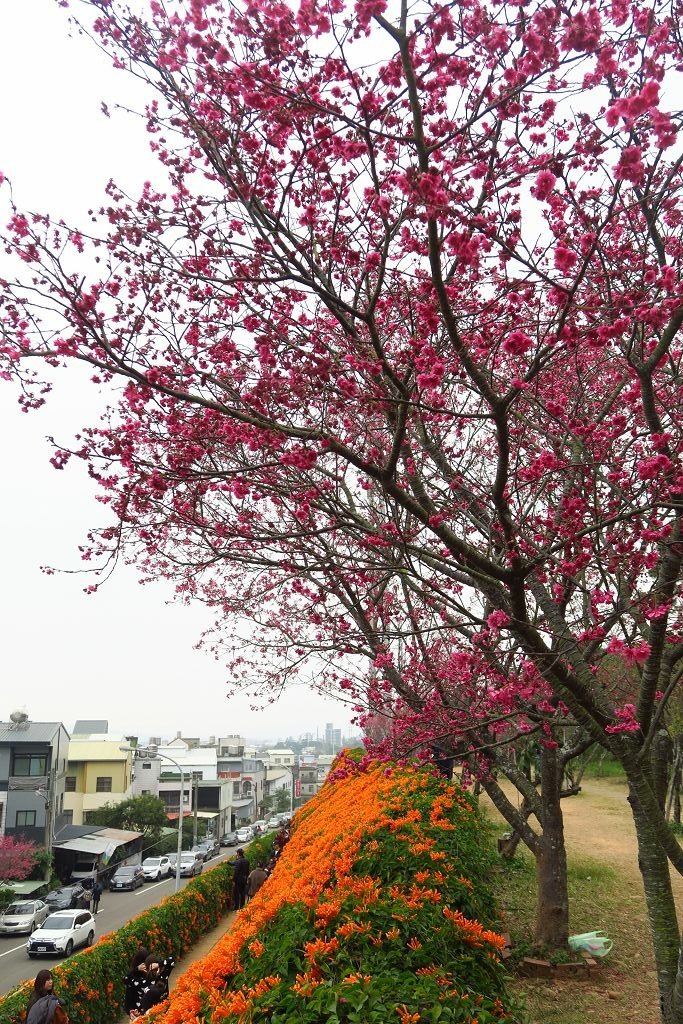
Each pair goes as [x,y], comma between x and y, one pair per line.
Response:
[116,908]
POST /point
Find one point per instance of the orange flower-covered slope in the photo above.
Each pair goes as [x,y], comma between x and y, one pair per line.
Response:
[370,914]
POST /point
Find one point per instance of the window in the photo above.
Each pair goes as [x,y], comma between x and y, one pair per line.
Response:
[68,817]
[147,792]
[70,784]
[26,818]
[103,784]
[30,764]
[147,764]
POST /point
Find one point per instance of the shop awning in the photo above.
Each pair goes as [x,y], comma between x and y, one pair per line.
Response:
[105,840]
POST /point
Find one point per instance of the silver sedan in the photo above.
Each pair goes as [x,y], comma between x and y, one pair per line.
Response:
[23,917]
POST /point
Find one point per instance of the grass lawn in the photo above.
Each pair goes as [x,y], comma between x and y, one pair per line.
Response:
[600,898]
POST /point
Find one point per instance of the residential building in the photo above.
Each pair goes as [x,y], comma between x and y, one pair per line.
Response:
[231,746]
[281,756]
[247,777]
[307,777]
[98,772]
[32,771]
[279,778]
[324,764]
[203,791]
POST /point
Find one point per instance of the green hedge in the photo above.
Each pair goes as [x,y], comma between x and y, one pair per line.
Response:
[92,982]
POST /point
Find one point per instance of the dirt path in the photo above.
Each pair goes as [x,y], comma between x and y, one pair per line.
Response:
[598,824]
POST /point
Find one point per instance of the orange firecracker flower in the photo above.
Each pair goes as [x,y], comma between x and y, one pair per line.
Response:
[406,1016]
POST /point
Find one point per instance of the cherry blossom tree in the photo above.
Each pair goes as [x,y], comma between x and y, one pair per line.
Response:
[410,281]
[17,858]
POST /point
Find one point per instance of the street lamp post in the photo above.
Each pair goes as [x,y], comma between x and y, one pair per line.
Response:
[142,754]
[46,795]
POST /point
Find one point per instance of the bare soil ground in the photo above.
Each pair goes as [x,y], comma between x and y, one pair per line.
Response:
[599,827]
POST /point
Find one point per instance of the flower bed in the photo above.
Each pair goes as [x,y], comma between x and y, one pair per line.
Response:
[91,982]
[377,911]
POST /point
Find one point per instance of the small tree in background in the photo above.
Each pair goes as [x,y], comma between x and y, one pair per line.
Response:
[17,858]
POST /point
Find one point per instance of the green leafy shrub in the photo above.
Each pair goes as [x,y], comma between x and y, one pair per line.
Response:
[92,982]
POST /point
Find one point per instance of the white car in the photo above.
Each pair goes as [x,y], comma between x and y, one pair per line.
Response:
[60,933]
[155,868]
[245,835]
[274,823]
[23,916]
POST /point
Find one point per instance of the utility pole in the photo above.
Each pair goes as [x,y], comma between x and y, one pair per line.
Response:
[195,801]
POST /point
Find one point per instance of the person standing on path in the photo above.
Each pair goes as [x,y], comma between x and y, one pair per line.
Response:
[256,880]
[96,894]
[240,876]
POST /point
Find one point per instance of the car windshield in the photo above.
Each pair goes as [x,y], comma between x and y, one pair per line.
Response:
[20,908]
[125,871]
[58,923]
[151,862]
[57,894]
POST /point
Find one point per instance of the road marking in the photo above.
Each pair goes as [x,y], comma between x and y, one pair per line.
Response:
[14,949]
[148,888]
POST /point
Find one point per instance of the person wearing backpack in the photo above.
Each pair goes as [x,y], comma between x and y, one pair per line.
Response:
[47,1010]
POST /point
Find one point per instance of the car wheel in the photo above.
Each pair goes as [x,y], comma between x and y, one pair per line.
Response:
[91,936]
[69,948]
[32,928]
[32,956]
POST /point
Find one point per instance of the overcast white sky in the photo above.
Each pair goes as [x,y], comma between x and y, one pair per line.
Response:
[124,654]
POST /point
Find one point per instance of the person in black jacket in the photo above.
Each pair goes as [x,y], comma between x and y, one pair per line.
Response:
[155,989]
[240,874]
[135,983]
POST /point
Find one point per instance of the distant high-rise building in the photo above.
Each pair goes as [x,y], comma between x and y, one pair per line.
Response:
[329,730]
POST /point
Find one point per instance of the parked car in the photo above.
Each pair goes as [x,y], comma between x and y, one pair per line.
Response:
[23,916]
[229,839]
[156,867]
[273,823]
[245,835]
[200,851]
[60,934]
[68,897]
[211,847]
[190,865]
[127,876]
[260,827]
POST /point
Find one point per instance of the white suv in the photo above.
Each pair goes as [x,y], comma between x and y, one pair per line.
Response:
[155,868]
[60,933]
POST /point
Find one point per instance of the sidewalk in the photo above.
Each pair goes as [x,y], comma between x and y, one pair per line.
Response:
[198,951]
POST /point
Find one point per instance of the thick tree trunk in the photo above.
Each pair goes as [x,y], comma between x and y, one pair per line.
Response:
[548,849]
[661,910]
[552,908]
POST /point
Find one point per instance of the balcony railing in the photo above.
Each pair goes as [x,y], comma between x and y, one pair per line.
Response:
[28,783]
